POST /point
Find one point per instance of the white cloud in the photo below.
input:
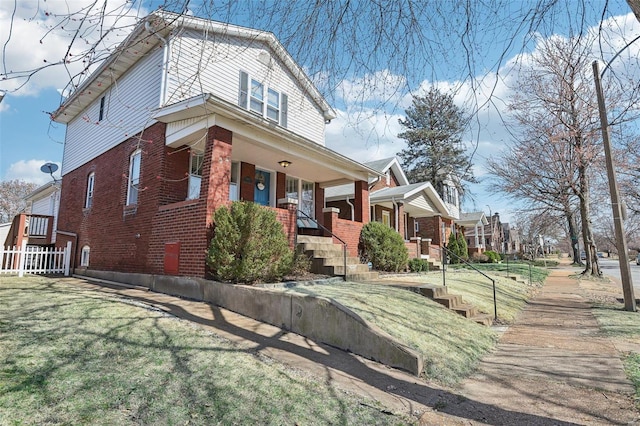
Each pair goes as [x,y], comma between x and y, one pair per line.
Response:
[29,171]
[39,34]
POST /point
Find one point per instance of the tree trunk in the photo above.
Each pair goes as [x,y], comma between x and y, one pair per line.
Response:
[635,7]
[573,235]
[591,253]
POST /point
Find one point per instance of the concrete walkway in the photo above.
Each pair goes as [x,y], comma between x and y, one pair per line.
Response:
[550,368]
[554,362]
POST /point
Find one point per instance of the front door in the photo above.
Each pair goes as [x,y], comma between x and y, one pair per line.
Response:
[261,194]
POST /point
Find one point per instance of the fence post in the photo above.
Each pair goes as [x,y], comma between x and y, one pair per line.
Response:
[22,254]
[67,259]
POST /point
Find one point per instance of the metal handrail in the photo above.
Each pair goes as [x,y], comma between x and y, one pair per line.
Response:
[493,281]
[324,228]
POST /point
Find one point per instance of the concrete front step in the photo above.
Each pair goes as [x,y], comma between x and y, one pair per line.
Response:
[339,270]
[303,239]
[483,319]
[334,261]
[466,310]
[432,291]
[451,301]
[363,276]
[322,247]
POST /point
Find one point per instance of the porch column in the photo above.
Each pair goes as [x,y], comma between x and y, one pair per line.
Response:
[330,216]
[216,169]
[418,242]
[247,178]
[281,180]
[318,194]
[361,201]
[289,222]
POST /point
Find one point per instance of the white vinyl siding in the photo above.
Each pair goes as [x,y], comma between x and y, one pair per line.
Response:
[198,66]
[128,106]
[42,206]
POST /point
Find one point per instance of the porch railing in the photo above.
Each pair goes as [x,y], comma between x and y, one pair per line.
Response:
[324,228]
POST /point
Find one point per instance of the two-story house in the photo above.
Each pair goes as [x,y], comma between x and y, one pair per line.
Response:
[186,115]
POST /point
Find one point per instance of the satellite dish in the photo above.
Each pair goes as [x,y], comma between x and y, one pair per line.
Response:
[50,168]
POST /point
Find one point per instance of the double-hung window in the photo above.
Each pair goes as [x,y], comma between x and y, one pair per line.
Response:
[134,177]
[89,198]
[303,192]
[252,97]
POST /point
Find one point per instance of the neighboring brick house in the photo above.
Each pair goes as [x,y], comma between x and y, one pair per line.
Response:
[38,223]
[186,115]
[413,210]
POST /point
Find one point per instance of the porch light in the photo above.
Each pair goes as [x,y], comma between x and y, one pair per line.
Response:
[284,163]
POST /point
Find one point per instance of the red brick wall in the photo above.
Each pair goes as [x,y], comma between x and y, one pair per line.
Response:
[348,231]
[175,179]
[287,217]
[412,249]
[132,238]
[361,201]
[118,235]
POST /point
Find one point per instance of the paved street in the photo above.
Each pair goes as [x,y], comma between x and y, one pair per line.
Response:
[612,269]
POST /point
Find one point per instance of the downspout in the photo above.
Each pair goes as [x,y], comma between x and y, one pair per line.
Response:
[165,62]
[353,208]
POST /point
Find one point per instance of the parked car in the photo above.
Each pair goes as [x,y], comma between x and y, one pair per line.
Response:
[638,259]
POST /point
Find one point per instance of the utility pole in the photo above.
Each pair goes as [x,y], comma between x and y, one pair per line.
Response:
[618,220]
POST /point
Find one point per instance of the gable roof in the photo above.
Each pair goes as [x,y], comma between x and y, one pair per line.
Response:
[392,163]
[420,199]
[147,34]
[472,219]
[43,191]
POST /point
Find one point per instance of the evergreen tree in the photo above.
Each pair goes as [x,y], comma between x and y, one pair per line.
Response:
[463,249]
[453,249]
[434,125]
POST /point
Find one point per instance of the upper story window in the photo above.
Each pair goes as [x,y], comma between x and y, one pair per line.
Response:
[89,197]
[101,113]
[195,174]
[252,97]
[133,186]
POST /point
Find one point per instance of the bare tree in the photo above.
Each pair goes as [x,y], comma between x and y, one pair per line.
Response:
[12,193]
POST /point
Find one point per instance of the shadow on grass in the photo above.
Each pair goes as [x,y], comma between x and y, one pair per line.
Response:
[412,391]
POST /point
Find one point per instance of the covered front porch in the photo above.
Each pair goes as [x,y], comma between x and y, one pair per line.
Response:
[242,156]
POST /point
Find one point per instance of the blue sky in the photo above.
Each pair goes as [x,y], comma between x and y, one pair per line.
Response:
[28,138]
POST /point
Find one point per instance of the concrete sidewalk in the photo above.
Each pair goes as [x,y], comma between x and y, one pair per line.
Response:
[550,368]
[555,362]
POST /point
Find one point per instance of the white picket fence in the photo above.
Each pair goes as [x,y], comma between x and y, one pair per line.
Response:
[35,260]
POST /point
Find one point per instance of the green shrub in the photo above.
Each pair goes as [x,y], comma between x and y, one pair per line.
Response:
[493,257]
[249,245]
[463,250]
[454,250]
[383,247]
[418,265]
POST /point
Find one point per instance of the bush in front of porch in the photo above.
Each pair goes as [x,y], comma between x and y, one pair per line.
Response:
[248,245]
[383,247]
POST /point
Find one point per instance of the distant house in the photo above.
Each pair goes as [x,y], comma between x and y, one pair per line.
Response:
[474,224]
[38,223]
[413,210]
[185,116]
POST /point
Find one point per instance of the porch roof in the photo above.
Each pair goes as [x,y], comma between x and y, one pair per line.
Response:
[261,142]
[419,199]
[472,219]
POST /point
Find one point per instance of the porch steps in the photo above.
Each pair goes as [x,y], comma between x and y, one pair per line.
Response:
[454,302]
[327,258]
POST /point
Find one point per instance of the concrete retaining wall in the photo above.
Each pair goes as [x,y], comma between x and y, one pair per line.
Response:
[323,320]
